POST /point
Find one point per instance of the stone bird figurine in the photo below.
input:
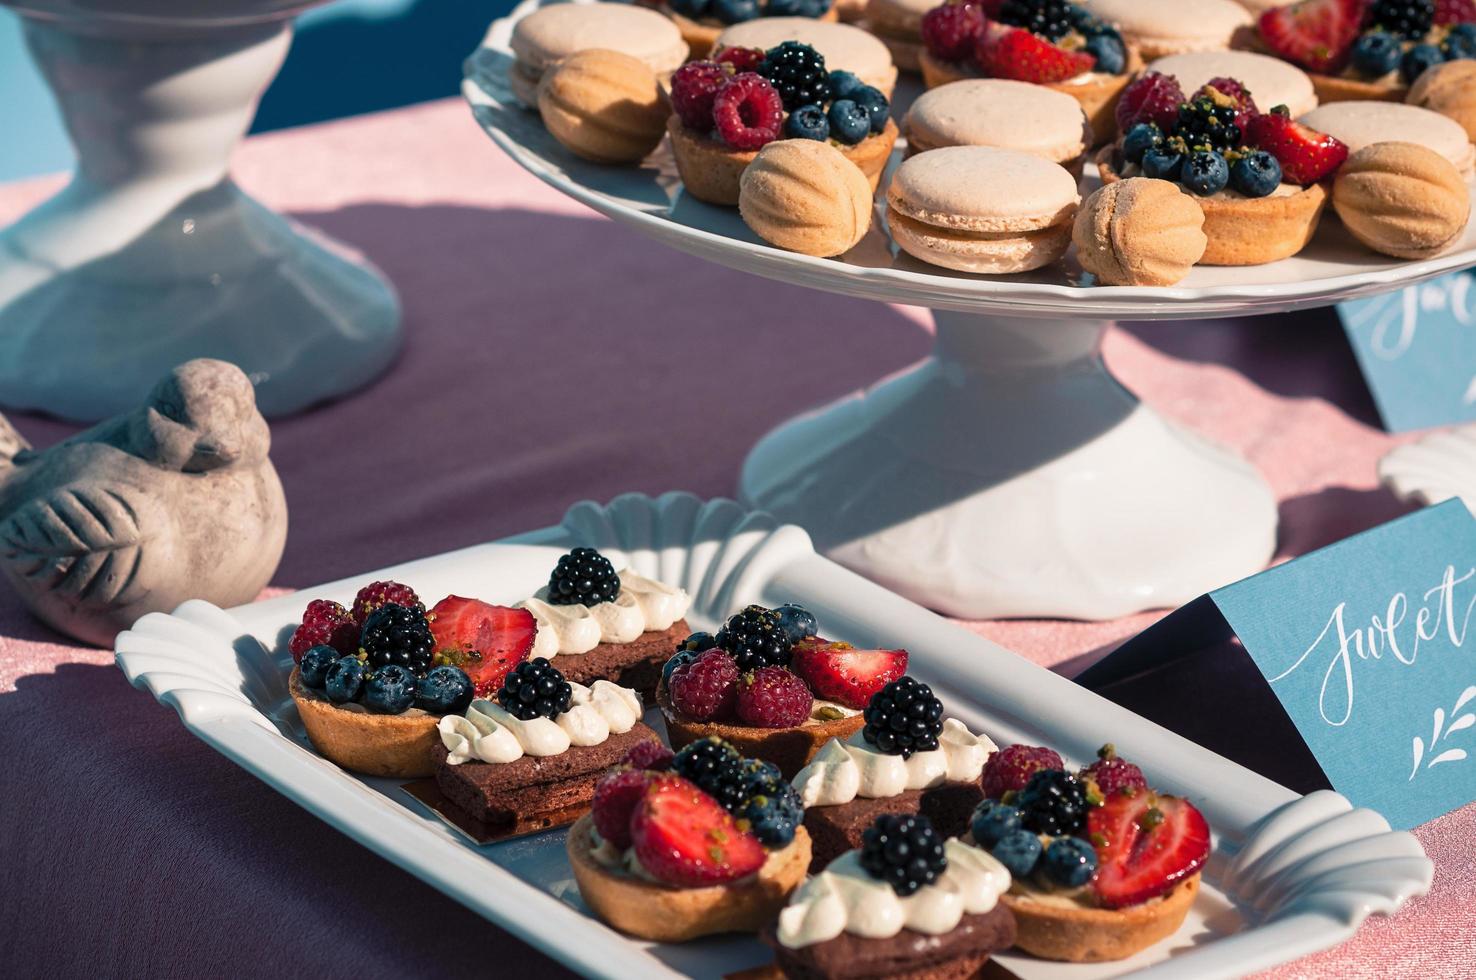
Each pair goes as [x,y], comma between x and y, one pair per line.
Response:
[175,500]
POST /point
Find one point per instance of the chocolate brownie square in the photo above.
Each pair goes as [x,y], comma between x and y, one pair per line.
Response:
[837,829]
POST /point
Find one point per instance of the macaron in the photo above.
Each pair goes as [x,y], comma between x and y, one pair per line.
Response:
[805,196]
[982,209]
[1271,81]
[1163,27]
[551,34]
[1361,124]
[998,112]
[844,48]
[899,25]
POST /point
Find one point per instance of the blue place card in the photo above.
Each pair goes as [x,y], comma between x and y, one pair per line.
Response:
[1352,667]
[1416,348]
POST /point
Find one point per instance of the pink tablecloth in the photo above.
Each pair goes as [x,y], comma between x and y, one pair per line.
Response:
[551,356]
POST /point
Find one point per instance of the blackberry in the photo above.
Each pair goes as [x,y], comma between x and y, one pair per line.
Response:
[1409,19]
[903,718]
[396,635]
[1051,19]
[771,805]
[535,689]
[798,72]
[904,851]
[1053,802]
[1204,124]
[756,638]
[583,575]
[716,768]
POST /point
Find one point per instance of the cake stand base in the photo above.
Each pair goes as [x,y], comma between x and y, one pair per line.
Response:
[1010,475]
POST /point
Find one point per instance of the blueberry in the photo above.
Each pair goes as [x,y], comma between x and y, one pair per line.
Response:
[444,690]
[876,105]
[992,821]
[1110,52]
[1459,46]
[843,85]
[849,123]
[1465,31]
[1070,861]
[1256,174]
[782,8]
[315,664]
[697,642]
[1019,850]
[390,690]
[807,122]
[691,8]
[1163,163]
[1139,140]
[1376,54]
[344,680]
[1418,60]
[797,622]
[734,11]
[1205,173]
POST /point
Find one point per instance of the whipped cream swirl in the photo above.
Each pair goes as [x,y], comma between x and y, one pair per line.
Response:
[844,898]
[844,770]
[642,604]
[489,733]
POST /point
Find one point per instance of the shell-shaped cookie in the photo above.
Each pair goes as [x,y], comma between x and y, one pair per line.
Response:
[1449,89]
[1402,199]
[1139,232]
[805,196]
[604,106]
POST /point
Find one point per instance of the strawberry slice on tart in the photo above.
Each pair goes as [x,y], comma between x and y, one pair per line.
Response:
[1147,844]
[486,641]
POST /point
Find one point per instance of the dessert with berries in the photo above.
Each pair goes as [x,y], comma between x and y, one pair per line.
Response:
[1362,50]
[844,48]
[702,21]
[1061,45]
[550,34]
[371,681]
[723,116]
[596,623]
[908,902]
[702,843]
[1259,176]
[805,196]
[1102,865]
[1360,124]
[907,758]
[770,685]
[1004,114]
[529,758]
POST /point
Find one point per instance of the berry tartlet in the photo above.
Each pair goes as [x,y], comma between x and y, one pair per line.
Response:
[704,843]
[906,903]
[770,686]
[1046,42]
[1257,176]
[530,759]
[702,21]
[1361,50]
[907,759]
[1102,865]
[723,116]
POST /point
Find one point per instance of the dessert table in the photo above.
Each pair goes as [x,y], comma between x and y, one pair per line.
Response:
[614,364]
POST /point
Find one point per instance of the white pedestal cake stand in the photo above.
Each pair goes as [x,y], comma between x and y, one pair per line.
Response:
[152,256]
[1007,474]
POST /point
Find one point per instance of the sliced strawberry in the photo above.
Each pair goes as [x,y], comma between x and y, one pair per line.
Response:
[839,672]
[484,640]
[1315,34]
[615,798]
[1306,156]
[684,837]
[1012,52]
[1146,844]
[1455,11]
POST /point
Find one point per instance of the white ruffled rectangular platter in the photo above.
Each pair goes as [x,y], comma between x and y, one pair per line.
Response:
[1288,876]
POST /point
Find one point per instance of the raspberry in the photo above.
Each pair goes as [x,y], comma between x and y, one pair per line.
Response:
[692,90]
[1155,98]
[747,112]
[1455,11]
[950,31]
[325,623]
[377,594]
[615,798]
[1114,775]
[1011,768]
[706,688]
[648,755]
[772,697]
[742,59]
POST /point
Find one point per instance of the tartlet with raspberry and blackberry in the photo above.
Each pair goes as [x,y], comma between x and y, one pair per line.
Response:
[768,684]
[1361,50]
[1046,42]
[1102,865]
[698,844]
[725,111]
[1260,178]
[701,21]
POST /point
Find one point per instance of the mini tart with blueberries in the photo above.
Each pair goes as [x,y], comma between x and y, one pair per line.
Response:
[701,21]
[698,844]
[1360,50]
[906,759]
[1103,866]
[1046,42]
[725,111]
[1259,177]
[769,685]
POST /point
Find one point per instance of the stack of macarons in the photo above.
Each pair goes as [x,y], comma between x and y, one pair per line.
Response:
[1001,113]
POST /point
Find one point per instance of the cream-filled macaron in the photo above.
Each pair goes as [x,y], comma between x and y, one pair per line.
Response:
[982,209]
[1163,27]
[899,25]
[551,34]
[844,48]
[1001,113]
[1271,81]
[1361,124]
